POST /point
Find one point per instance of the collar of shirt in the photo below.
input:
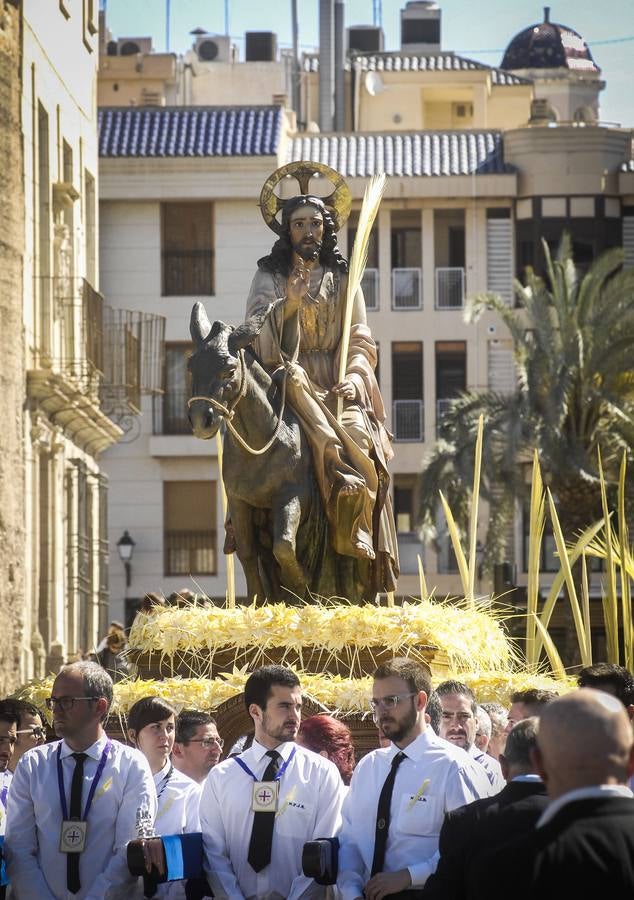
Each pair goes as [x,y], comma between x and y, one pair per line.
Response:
[257,752]
[94,751]
[416,750]
[476,753]
[524,779]
[586,793]
[162,773]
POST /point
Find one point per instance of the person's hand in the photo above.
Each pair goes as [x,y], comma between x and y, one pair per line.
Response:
[297,285]
[386,883]
[345,389]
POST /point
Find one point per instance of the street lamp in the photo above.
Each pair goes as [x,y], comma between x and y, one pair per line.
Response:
[125,548]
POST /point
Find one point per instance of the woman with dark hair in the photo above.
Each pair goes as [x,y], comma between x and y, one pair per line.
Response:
[151,729]
[330,738]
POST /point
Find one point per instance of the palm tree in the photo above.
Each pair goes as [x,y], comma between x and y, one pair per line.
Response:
[573,339]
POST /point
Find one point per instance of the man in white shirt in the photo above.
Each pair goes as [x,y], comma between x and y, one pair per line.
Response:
[258,809]
[31,731]
[459,724]
[198,745]
[400,794]
[75,803]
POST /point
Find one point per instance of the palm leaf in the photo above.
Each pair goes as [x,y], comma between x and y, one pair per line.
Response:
[454,534]
[475,496]
[626,594]
[369,209]
[554,658]
[424,593]
[536,533]
[608,597]
[580,629]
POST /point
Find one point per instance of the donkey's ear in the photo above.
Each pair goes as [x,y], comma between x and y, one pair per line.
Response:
[246,333]
[199,325]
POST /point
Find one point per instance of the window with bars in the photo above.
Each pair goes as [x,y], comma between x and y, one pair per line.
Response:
[189,528]
[170,409]
[407,390]
[187,254]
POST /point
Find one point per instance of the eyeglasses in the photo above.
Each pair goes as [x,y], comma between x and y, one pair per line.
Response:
[389,702]
[37,732]
[65,703]
[206,743]
[10,739]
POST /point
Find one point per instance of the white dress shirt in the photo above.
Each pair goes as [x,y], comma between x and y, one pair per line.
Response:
[309,807]
[491,767]
[586,793]
[178,804]
[434,777]
[5,782]
[35,865]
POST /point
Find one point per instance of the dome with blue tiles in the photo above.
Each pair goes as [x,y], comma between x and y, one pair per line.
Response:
[549,46]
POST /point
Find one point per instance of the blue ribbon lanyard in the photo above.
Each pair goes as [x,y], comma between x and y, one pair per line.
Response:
[93,786]
[279,774]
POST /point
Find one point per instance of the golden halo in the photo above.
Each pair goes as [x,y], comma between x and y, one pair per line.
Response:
[338,203]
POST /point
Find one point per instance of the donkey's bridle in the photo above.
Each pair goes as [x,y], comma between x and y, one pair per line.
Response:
[227,412]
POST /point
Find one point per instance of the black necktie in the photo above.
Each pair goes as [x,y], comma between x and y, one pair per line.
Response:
[263,822]
[72,859]
[383,816]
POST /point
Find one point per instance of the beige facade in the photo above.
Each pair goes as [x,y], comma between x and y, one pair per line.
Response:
[471,188]
[65,429]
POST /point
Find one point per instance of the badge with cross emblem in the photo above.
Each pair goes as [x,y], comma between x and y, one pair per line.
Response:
[265,795]
[72,836]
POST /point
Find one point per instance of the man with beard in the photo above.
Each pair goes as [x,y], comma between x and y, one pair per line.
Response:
[400,794]
[302,283]
[259,808]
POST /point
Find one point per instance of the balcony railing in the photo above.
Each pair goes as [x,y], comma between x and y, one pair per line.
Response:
[406,289]
[187,272]
[449,288]
[190,552]
[370,288]
[407,420]
[169,412]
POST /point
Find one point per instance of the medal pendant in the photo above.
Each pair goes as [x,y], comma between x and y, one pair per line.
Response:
[72,836]
[265,795]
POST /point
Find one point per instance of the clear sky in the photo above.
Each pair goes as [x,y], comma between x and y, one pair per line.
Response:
[479,30]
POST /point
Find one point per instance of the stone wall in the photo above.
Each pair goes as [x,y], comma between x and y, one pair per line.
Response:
[11,350]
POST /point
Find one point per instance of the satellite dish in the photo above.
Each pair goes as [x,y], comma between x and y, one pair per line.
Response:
[374,84]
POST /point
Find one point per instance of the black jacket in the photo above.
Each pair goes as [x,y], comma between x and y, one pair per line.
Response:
[478,827]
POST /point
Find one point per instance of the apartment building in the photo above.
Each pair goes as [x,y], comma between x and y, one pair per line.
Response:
[481,163]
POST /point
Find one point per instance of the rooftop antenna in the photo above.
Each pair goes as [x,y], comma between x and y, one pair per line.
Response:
[167,26]
[547,14]
[377,13]
[227,17]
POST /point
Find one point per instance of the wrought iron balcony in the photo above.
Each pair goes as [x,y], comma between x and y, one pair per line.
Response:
[189,552]
[406,292]
[407,420]
[449,288]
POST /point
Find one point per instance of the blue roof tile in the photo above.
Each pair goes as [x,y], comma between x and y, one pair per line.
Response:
[419,153]
[189,131]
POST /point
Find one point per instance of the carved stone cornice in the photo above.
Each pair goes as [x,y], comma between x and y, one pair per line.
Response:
[78,416]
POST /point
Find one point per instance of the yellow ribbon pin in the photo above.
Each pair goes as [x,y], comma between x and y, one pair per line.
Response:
[290,796]
[419,793]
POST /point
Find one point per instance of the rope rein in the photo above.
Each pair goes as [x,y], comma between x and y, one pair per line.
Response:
[227,412]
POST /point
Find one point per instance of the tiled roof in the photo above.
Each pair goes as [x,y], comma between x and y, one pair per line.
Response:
[417,153]
[189,131]
[425,62]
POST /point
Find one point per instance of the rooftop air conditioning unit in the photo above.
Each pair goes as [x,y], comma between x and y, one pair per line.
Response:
[132,46]
[213,48]
[420,27]
[260,46]
[365,39]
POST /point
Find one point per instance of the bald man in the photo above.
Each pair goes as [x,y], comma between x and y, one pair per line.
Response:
[584,840]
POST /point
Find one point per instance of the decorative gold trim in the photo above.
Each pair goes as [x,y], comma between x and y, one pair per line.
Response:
[338,203]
